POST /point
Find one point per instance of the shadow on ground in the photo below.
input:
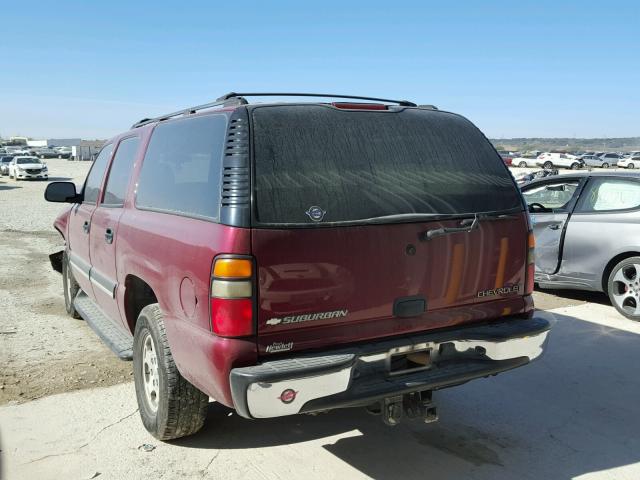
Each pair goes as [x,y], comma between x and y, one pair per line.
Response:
[8,187]
[573,412]
[579,295]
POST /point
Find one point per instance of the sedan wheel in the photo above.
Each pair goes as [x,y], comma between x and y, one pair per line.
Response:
[631,165]
[605,165]
[624,287]
[522,164]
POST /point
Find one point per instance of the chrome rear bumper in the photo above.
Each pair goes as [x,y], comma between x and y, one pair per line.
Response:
[364,374]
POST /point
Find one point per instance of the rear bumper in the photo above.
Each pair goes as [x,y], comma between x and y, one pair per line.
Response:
[361,375]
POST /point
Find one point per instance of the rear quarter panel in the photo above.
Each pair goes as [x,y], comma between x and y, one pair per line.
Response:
[592,240]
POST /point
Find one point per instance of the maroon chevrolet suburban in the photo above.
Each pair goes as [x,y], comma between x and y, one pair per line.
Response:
[296,257]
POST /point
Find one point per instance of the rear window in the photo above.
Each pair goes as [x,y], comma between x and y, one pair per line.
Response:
[316,163]
[181,171]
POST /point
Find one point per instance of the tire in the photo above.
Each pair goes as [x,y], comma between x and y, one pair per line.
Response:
[623,288]
[605,165]
[522,164]
[70,287]
[170,407]
[59,156]
[547,165]
[575,166]
[631,165]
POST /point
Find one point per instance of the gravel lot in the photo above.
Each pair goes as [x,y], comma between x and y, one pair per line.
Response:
[42,350]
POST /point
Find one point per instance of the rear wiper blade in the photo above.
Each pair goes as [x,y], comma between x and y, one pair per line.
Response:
[467,225]
[405,216]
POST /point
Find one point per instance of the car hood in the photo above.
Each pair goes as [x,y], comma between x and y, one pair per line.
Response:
[30,165]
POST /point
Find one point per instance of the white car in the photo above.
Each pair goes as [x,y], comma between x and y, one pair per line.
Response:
[523,162]
[563,160]
[28,167]
[630,162]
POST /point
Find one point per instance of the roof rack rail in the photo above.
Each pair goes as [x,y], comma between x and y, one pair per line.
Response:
[189,111]
[233,98]
[231,95]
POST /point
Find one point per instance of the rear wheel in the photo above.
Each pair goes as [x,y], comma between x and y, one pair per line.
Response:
[548,165]
[631,165]
[70,287]
[575,166]
[624,287]
[170,406]
[605,165]
[522,164]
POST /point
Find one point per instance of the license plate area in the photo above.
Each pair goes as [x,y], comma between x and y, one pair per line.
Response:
[410,359]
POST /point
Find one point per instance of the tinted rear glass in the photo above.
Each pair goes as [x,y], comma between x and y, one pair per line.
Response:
[356,165]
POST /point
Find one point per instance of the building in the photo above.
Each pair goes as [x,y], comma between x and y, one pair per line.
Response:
[63,142]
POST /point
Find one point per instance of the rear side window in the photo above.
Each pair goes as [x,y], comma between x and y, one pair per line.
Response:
[94,179]
[118,180]
[181,170]
[319,163]
[609,194]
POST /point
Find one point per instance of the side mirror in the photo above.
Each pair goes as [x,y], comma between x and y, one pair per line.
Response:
[64,192]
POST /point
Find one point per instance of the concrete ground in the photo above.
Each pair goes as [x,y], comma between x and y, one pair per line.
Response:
[572,414]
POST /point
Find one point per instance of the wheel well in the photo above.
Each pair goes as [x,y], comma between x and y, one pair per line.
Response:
[138,294]
[612,263]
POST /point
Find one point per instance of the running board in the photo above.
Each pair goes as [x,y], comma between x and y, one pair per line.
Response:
[113,336]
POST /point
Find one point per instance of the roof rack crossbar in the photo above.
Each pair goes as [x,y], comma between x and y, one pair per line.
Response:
[231,95]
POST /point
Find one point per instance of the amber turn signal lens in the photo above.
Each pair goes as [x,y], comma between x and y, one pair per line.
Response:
[532,240]
[232,268]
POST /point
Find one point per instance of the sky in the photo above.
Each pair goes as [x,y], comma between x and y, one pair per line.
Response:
[515,68]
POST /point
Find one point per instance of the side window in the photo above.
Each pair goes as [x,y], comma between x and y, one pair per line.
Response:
[119,173]
[181,171]
[94,179]
[556,196]
[609,194]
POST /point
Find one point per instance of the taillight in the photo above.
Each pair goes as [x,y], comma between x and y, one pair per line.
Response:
[531,264]
[232,297]
[359,106]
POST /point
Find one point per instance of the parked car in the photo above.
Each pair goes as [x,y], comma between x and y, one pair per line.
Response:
[587,228]
[22,168]
[598,162]
[611,158]
[47,153]
[525,161]
[630,162]
[507,157]
[326,270]
[63,152]
[5,160]
[558,160]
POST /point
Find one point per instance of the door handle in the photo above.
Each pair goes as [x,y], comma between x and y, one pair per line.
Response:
[108,235]
[86,226]
[554,226]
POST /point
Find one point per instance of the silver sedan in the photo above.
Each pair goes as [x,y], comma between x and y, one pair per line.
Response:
[587,230]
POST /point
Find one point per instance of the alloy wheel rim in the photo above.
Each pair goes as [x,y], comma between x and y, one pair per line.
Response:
[150,376]
[626,289]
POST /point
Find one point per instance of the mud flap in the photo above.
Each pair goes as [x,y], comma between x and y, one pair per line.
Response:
[56,261]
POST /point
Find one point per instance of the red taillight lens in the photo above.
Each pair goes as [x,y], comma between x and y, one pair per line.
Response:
[231,297]
[359,106]
[531,264]
[232,317]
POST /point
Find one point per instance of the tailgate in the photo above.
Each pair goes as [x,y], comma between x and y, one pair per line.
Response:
[326,286]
